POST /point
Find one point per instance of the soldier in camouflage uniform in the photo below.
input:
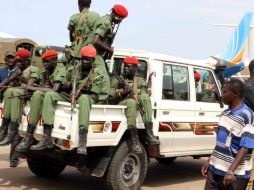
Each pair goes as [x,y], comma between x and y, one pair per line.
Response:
[129,95]
[103,33]
[13,107]
[81,27]
[95,84]
[49,80]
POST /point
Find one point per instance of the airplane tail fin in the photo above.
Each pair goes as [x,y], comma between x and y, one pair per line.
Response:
[235,49]
[232,57]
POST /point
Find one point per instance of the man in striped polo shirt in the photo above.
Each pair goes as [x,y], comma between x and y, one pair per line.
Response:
[229,166]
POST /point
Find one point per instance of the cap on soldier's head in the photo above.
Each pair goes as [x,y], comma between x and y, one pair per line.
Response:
[130,60]
[120,10]
[23,54]
[9,53]
[49,54]
[197,76]
[88,51]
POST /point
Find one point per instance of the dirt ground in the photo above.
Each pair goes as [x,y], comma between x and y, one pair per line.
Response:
[183,174]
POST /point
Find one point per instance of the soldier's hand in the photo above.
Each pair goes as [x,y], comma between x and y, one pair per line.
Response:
[111,50]
[127,89]
[23,86]
[150,76]
[72,96]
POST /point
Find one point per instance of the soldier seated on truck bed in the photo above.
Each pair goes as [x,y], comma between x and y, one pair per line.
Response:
[134,96]
[92,89]
[13,106]
[51,78]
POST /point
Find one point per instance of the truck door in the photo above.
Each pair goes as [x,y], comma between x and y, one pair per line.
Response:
[208,108]
[175,108]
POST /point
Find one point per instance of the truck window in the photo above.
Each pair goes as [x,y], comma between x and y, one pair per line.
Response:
[141,71]
[175,83]
[206,87]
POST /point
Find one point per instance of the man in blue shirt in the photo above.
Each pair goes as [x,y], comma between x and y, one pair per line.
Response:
[10,64]
[229,167]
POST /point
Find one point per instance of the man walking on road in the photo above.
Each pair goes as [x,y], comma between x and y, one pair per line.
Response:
[229,167]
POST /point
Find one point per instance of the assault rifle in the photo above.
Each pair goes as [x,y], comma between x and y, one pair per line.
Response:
[74,86]
[22,96]
[139,104]
[110,41]
[8,80]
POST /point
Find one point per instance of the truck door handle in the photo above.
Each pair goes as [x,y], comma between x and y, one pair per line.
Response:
[201,113]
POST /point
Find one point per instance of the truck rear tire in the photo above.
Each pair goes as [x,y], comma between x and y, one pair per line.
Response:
[127,169]
[169,160]
[44,168]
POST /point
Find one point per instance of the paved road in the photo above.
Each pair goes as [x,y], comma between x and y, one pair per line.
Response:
[184,174]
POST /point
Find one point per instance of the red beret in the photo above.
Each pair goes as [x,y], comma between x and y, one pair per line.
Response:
[197,76]
[49,54]
[88,51]
[120,10]
[23,54]
[130,60]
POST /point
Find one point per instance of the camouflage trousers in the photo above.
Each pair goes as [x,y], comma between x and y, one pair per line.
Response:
[131,110]
[49,107]
[12,106]
[36,107]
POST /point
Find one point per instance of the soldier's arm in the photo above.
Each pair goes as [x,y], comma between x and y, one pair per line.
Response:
[98,43]
[71,35]
[149,84]
[55,88]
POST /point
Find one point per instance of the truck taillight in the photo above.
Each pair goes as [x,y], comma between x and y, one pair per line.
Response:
[115,126]
[67,144]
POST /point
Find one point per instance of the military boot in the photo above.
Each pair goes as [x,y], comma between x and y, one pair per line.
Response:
[82,141]
[4,128]
[14,156]
[46,141]
[14,128]
[149,134]
[27,140]
[135,141]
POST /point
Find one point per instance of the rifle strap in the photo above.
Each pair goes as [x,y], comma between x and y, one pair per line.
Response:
[82,19]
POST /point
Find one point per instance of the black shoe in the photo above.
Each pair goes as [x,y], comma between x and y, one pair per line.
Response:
[135,141]
[149,134]
[14,156]
[82,141]
[4,128]
[27,140]
[14,127]
[46,141]
[14,163]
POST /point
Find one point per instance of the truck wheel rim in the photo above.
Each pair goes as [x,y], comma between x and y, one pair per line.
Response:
[130,170]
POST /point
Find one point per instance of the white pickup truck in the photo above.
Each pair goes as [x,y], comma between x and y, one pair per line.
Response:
[185,117]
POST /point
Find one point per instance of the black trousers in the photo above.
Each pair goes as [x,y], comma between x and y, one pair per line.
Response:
[215,182]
